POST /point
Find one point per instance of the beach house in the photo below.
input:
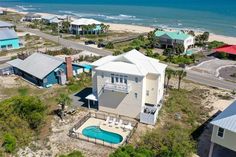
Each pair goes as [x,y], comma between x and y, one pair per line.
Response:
[130,84]
[8,39]
[224,129]
[32,17]
[45,70]
[78,26]
[170,39]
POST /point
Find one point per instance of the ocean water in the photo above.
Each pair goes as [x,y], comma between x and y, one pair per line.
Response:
[216,16]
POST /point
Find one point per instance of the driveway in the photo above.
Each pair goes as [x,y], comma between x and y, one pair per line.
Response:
[212,66]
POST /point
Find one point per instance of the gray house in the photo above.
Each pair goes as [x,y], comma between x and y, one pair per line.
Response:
[224,129]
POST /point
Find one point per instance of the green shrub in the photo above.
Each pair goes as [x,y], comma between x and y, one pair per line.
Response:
[127,49]
[223,55]
[172,142]
[23,91]
[116,53]
[73,154]
[130,151]
[215,44]
[109,45]
[29,108]
[9,143]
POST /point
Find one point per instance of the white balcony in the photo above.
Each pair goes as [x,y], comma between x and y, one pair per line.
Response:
[149,114]
[117,87]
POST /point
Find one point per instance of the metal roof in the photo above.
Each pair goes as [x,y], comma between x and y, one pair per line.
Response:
[173,35]
[5,24]
[84,21]
[39,65]
[6,33]
[15,62]
[132,62]
[227,118]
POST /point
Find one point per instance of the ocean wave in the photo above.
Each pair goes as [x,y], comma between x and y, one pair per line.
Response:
[119,17]
[170,27]
[25,8]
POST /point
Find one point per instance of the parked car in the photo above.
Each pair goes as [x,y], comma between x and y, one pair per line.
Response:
[101,45]
[90,42]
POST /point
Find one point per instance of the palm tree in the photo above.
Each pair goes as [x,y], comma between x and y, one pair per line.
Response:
[64,100]
[181,74]
[93,28]
[169,74]
[84,29]
[104,27]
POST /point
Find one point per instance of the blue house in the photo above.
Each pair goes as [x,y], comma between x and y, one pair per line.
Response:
[44,70]
[8,39]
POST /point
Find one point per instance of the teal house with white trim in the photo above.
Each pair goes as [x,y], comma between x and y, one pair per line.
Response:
[8,39]
[170,39]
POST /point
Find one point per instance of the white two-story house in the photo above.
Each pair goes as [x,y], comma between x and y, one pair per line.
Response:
[130,84]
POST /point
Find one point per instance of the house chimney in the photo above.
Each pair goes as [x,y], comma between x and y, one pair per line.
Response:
[69,69]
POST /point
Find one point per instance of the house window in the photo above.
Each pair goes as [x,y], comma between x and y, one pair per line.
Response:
[117,78]
[9,46]
[125,79]
[221,132]
[136,79]
[121,79]
[112,78]
[147,92]
[136,95]
[102,75]
[3,46]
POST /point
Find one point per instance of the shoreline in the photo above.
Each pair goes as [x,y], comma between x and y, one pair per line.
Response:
[145,29]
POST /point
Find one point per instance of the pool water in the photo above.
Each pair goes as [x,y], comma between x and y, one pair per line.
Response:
[96,133]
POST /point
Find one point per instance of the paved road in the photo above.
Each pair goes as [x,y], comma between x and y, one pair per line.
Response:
[66,43]
[210,80]
[191,75]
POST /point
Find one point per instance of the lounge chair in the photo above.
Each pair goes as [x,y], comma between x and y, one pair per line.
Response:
[129,126]
[110,120]
[120,124]
[117,122]
[107,121]
[112,123]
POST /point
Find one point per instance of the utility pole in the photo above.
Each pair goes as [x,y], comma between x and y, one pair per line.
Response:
[58,32]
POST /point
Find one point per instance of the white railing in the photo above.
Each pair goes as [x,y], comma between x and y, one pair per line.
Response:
[149,114]
[124,88]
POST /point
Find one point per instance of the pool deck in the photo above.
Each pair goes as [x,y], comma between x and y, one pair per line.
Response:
[99,122]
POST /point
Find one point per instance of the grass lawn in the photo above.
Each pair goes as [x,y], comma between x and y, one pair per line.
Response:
[11,17]
[184,107]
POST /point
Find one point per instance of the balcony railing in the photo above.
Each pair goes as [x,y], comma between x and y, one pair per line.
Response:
[118,87]
[149,114]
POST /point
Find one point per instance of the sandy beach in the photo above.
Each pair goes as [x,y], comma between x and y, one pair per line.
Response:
[144,29]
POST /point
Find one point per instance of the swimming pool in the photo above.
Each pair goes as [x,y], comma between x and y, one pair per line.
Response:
[96,132]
